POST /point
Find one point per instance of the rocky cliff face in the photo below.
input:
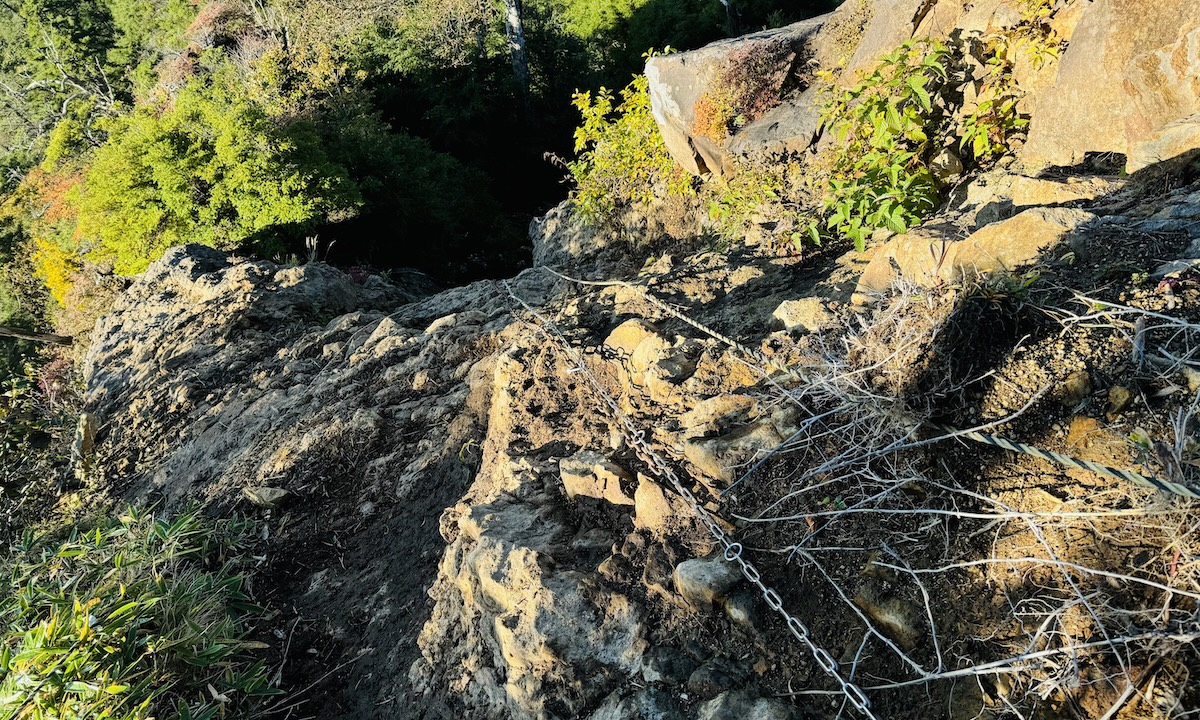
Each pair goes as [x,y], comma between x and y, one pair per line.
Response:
[1124,81]
[466,503]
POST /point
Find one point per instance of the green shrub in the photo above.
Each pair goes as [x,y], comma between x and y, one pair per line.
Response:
[887,127]
[134,619]
[213,168]
[622,160]
[991,125]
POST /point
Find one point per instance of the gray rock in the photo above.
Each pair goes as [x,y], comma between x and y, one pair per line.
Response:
[717,676]
[667,665]
[679,81]
[705,581]
[791,127]
[266,497]
[644,704]
[742,705]
[657,573]
[563,242]
[742,609]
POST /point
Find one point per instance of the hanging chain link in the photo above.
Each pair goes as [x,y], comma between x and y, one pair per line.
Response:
[1172,486]
[732,550]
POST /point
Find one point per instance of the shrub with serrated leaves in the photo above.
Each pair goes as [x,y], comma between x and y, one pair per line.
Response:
[994,120]
[136,618]
[887,125]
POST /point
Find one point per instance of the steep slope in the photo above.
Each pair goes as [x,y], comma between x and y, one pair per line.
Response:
[714,484]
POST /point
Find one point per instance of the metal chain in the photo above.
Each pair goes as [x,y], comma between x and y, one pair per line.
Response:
[1167,486]
[733,551]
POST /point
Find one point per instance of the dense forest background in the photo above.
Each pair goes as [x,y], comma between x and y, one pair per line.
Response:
[418,133]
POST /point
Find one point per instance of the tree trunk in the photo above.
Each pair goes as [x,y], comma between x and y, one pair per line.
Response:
[731,17]
[48,338]
[514,28]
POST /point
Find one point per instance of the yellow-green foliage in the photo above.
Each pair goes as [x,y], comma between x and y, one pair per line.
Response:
[754,191]
[989,128]
[210,168]
[622,160]
[56,267]
[136,618]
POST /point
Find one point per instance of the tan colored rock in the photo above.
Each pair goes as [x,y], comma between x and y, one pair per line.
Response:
[1075,388]
[657,510]
[84,445]
[648,353]
[626,337]
[1027,191]
[806,314]
[266,497]
[709,415]
[892,22]
[926,259]
[1015,242]
[1178,141]
[724,457]
[895,617]
[1132,67]
[946,165]
[1119,398]
[591,474]
[941,17]
[981,17]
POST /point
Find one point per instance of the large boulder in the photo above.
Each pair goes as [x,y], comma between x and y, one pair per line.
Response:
[890,24]
[1177,142]
[690,91]
[790,127]
[928,257]
[1132,67]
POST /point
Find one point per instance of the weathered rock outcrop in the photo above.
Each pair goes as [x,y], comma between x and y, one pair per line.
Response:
[455,516]
[930,258]
[683,84]
[365,403]
[1131,68]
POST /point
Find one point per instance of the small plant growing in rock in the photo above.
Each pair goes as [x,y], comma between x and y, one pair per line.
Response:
[990,127]
[1034,34]
[746,88]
